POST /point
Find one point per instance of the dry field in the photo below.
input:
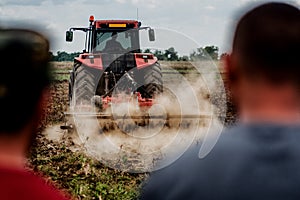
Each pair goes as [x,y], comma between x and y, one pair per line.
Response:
[63,160]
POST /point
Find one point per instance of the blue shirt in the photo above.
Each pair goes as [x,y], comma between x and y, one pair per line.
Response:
[258,161]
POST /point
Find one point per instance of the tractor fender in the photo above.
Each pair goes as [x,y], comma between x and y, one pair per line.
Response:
[144,60]
[90,60]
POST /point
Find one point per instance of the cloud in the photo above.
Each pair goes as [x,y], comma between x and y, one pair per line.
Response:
[210,7]
[207,21]
[146,3]
[33,2]
[121,1]
[22,2]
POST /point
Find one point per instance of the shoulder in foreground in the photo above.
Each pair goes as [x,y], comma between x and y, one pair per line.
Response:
[236,148]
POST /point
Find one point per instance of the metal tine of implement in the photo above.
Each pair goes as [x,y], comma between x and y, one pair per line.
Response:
[109,116]
[107,126]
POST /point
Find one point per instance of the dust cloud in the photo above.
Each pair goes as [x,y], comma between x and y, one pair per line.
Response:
[128,146]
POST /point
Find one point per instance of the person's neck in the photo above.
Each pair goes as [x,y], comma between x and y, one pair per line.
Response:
[282,111]
[13,150]
[12,161]
[288,118]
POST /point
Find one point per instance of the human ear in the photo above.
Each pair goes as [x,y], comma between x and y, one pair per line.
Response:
[230,69]
[232,82]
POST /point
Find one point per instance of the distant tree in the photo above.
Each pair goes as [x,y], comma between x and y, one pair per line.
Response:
[183,58]
[199,54]
[206,53]
[171,54]
[160,55]
[64,56]
[147,51]
[212,51]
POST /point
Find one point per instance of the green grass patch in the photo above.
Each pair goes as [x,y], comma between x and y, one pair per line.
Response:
[83,177]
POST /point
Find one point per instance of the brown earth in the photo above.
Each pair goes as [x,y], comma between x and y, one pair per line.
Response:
[76,173]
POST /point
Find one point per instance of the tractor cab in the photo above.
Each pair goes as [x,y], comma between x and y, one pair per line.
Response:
[115,36]
[116,41]
[112,36]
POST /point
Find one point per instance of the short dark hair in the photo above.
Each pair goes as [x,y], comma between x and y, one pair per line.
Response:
[24,74]
[267,42]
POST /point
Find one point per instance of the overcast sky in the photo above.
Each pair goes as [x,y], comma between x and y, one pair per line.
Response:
[193,22]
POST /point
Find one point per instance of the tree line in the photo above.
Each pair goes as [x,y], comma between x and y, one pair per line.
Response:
[63,56]
[202,53]
[170,54]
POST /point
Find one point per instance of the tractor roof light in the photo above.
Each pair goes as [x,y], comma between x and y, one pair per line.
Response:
[117,25]
[92,18]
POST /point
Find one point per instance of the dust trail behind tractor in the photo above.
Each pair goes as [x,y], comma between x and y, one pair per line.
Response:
[134,138]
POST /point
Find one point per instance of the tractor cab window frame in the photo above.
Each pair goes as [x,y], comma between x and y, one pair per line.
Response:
[128,39]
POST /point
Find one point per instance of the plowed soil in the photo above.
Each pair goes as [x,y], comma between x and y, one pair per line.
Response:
[61,159]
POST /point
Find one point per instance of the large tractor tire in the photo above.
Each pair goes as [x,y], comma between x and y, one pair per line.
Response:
[153,84]
[84,85]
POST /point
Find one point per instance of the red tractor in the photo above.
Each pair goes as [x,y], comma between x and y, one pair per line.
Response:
[113,64]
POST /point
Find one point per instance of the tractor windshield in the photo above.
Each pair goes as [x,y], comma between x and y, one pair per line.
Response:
[117,41]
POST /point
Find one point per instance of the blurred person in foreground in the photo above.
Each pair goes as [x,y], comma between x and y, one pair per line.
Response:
[259,157]
[24,78]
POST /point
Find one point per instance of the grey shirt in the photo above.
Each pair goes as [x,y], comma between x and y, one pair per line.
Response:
[258,161]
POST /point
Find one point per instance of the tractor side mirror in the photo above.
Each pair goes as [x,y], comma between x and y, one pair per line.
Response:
[151,34]
[69,36]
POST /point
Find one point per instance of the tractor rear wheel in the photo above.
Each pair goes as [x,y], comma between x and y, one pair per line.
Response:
[153,84]
[84,85]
